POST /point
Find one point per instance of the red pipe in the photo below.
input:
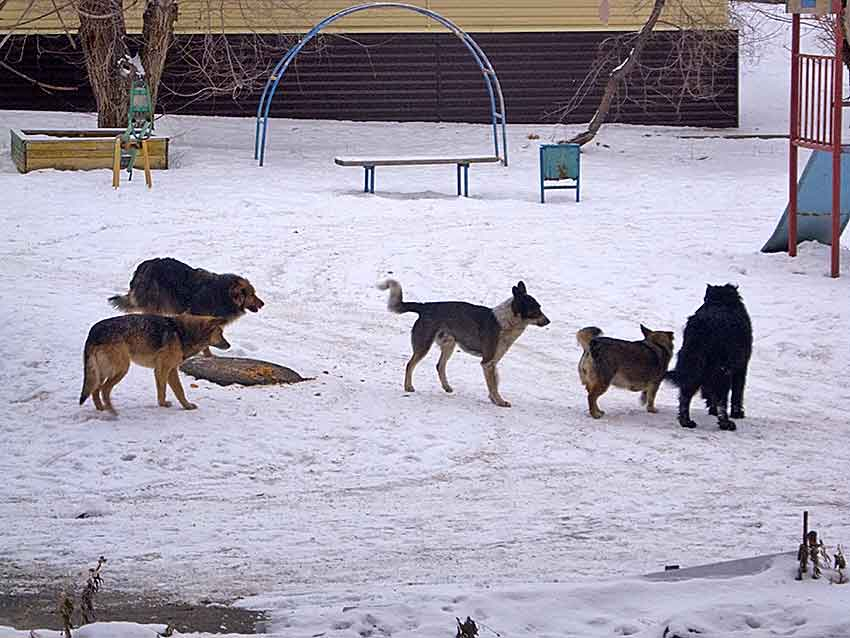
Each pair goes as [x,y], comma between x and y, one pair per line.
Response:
[837,98]
[793,134]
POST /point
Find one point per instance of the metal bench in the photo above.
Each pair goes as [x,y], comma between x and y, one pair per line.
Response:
[370,164]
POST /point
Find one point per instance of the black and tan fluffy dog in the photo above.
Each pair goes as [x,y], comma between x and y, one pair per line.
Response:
[714,356]
[481,331]
[638,366]
[166,286]
[152,341]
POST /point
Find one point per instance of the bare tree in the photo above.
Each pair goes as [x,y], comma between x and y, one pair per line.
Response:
[690,70]
[215,63]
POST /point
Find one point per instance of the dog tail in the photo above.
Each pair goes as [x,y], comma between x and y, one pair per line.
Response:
[586,335]
[90,380]
[122,302]
[396,303]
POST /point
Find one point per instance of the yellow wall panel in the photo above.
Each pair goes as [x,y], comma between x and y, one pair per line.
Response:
[279,16]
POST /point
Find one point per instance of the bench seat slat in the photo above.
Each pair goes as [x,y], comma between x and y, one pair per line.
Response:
[413,161]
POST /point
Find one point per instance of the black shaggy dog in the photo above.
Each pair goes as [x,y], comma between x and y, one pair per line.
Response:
[715,352]
[166,286]
[169,287]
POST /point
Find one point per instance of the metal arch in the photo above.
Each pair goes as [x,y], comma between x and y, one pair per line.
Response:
[491,81]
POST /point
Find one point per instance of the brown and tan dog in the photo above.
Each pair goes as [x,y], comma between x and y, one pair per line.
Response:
[638,366]
[152,341]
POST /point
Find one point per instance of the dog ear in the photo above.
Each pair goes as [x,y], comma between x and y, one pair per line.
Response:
[519,289]
[646,331]
[237,294]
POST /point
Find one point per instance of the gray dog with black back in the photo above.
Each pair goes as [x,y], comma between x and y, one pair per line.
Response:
[481,331]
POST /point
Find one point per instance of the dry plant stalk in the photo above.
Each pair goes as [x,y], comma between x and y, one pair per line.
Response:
[66,610]
[92,586]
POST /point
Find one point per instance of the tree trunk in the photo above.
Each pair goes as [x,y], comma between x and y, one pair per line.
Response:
[157,33]
[102,34]
[618,75]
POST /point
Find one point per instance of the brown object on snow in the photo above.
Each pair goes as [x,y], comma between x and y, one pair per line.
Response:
[230,370]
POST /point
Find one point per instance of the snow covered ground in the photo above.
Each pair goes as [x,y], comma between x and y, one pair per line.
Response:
[348,507]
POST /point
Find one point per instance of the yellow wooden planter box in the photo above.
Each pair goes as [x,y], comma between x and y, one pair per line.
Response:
[33,149]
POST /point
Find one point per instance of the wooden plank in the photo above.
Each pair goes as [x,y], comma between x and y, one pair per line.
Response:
[82,163]
[59,145]
[413,161]
[19,151]
[100,132]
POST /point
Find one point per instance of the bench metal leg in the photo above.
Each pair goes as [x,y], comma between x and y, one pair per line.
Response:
[465,180]
[369,181]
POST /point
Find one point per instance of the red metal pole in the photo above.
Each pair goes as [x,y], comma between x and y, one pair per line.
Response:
[794,128]
[837,98]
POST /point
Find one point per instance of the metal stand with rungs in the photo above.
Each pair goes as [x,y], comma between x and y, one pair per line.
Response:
[135,137]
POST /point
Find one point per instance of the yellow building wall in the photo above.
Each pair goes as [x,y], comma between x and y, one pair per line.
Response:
[294,16]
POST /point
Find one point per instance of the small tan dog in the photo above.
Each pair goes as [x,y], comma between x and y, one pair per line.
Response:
[638,366]
[152,341]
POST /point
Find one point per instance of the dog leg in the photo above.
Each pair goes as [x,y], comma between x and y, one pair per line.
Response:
[106,388]
[161,377]
[593,394]
[95,396]
[710,400]
[421,338]
[491,377]
[408,370]
[447,348]
[177,388]
[119,370]
[739,379]
[685,396]
[650,392]
[721,401]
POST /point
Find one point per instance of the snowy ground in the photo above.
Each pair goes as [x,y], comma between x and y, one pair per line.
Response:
[414,509]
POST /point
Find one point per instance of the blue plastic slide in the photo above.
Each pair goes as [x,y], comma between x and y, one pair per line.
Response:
[814,203]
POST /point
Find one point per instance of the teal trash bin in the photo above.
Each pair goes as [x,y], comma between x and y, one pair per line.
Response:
[560,162]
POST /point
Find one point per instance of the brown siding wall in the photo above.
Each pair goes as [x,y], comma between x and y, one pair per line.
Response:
[404,77]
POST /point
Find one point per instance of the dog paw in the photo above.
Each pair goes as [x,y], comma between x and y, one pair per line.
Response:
[737,413]
[598,414]
[448,388]
[727,425]
[409,388]
[652,409]
[190,406]
[165,404]
[500,402]
[687,423]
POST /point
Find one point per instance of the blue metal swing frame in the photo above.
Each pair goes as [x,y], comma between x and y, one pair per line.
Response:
[491,81]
